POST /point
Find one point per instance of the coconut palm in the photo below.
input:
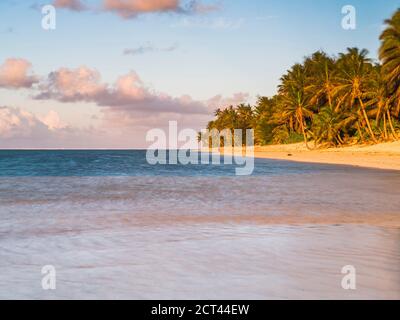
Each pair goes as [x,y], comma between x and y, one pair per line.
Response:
[245,115]
[354,71]
[332,100]
[378,97]
[321,79]
[295,103]
[389,53]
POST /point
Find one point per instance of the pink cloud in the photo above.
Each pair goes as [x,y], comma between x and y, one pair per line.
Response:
[19,123]
[199,7]
[128,93]
[128,108]
[75,5]
[70,85]
[219,101]
[23,129]
[16,74]
[131,8]
[53,121]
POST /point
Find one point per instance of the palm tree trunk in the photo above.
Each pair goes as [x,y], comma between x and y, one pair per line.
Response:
[367,120]
[360,132]
[304,134]
[330,100]
[391,126]
[385,127]
[340,139]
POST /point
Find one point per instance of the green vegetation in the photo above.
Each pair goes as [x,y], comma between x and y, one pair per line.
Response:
[329,100]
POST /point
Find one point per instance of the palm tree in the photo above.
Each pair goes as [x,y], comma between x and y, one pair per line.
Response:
[295,104]
[327,126]
[321,79]
[333,100]
[217,112]
[263,120]
[389,53]
[378,96]
[245,115]
[354,70]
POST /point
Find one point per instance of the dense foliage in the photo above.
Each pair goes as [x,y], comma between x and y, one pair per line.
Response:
[329,100]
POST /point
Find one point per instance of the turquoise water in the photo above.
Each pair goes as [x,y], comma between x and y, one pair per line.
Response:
[75,163]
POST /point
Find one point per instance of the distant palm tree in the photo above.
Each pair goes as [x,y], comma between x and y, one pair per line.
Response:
[245,116]
[217,112]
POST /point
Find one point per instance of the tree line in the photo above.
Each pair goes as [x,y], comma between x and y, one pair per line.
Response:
[329,100]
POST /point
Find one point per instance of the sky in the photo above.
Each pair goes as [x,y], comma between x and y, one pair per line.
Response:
[112,70]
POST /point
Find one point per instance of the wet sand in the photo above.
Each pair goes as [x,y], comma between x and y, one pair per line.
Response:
[206,261]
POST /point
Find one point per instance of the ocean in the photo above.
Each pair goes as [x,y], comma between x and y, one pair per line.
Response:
[114,226]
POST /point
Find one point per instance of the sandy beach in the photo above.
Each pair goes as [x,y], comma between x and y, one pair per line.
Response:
[379,156]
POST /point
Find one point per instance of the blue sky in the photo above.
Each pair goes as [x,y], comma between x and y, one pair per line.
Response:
[244,46]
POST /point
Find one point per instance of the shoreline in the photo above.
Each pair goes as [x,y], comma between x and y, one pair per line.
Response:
[380,156]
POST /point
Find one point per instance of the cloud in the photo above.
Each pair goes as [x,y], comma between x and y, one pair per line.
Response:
[16,74]
[74,5]
[117,129]
[128,9]
[131,8]
[18,123]
[127,109]
[149,48]
[128,92]
[52,121]
[199,7]
[66,85]
[134,123]
[22,129]
[219,101]
[220,23]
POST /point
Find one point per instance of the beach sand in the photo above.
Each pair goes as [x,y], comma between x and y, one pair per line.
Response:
[380,156]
